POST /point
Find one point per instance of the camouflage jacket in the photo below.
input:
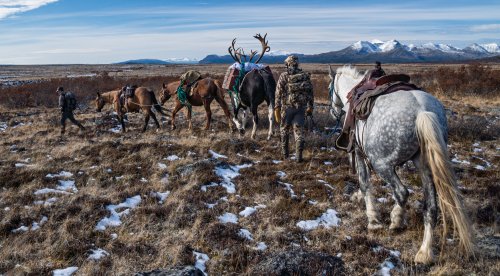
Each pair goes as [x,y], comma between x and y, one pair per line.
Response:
[294,90]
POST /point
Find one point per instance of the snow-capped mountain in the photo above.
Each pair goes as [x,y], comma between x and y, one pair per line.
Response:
[391,51]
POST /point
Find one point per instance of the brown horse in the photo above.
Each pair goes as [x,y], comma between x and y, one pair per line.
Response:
[203,93]
[142,100]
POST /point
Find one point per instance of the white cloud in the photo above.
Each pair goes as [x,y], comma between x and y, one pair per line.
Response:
[486,28]
[11,7]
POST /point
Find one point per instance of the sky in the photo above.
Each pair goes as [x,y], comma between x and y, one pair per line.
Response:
[107,31]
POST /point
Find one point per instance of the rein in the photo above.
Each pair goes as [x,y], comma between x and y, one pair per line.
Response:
[234,92]
[337,102]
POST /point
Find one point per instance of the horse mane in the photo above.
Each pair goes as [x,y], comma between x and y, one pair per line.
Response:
[351,71]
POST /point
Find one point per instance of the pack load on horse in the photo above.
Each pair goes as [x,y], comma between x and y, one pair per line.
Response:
[249,84]
[135,99]
[362,97]
[408,124]
[194,90]
[294,100]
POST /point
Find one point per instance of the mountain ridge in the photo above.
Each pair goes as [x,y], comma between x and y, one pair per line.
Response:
[391,51]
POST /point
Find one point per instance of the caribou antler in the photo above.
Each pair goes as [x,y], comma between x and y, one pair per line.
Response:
[235,53]
[265,47]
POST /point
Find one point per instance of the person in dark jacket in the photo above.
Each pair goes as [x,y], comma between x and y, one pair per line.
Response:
[67,104]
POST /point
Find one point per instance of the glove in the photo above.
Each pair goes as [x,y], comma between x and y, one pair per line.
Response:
[277,114]
[309,111]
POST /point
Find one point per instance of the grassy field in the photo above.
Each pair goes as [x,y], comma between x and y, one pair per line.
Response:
[164,198]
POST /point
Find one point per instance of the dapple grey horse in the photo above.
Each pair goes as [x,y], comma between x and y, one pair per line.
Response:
[405,125]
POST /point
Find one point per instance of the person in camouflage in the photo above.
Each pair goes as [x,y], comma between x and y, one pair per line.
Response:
[294,100]
[189,79]
[67,104]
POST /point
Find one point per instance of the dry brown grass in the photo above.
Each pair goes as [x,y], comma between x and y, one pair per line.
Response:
[157,235]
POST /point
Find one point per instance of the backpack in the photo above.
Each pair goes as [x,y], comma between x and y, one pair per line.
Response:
[299,88]
[70,101]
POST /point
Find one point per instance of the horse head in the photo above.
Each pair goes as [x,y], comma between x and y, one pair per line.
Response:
[342,81]
[99,102]
[164,94]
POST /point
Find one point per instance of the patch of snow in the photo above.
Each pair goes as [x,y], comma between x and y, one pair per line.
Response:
[288,187]
[479,167]
[228,218]
[478,150]
[382,200]
[261,246]
[97,254]
[20,229]
[162,166]
[114,218]
[205,187]
[48,190]
[172,157]
[201,259]
[277,161]
[216,155]
[65,272]
[244,233]
[228,173]
[114,236]
[143,180]
[36,225]
[327,220]
[328,163]
[6,209]
[458,161]
[313,202]
[250,210]
[161,196]
[21,165]
[386,267]
[116,129]
[3,126]
[62,174]
[281,174]
[65,185]
[47,202]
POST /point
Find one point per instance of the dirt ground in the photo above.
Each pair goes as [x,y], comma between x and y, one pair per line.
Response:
[217,200]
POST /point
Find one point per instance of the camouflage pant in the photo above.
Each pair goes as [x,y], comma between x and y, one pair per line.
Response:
[292,117]
[69,115]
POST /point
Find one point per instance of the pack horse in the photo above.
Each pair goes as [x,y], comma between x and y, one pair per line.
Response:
[405,125]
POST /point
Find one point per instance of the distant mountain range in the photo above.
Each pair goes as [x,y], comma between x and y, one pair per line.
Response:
[391,51]
[160,62]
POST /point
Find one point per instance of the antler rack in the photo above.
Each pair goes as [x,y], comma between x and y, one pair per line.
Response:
[238,54]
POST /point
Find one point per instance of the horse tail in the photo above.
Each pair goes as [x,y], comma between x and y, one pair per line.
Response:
[220,90]
[156,105]
[434,150]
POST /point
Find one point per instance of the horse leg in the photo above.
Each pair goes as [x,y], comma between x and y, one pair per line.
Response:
[177,107]
[400,194]
[146,121]
[122,122]
[255,122]
[189,112]
[152,114]
[206,105]
[424,254]
[270,116]
[225,108]
[366,188]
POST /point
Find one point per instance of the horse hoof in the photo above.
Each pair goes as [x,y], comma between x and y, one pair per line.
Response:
[375,226]
[173,128]
[424,257]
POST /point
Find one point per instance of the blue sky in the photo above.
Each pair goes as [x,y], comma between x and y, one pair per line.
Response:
[105,31]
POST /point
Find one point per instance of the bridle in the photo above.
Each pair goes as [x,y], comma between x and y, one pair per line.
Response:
[337,102]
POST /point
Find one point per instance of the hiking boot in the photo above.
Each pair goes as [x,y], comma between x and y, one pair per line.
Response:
[298,156]
[284,147]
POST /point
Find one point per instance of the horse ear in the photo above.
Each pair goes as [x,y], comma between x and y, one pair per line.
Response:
[164,85]
[98,95]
